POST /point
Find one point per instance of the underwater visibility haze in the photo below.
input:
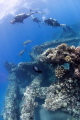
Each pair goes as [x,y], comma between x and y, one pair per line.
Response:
[39,60]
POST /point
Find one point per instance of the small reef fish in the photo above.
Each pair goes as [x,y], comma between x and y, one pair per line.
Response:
[21,53]
[26,42]
[36,69]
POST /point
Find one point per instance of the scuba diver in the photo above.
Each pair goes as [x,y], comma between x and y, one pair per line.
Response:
[54,23]
[35,19]
[20,17]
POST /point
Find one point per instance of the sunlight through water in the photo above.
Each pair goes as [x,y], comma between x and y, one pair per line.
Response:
[12,6]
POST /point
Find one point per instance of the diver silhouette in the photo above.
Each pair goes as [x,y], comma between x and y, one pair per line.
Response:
[20,17]
[35,19]
[54,23]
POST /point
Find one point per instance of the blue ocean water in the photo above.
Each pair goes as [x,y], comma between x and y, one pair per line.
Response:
[12,36]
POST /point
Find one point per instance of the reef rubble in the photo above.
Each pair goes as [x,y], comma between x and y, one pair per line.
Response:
[57,87]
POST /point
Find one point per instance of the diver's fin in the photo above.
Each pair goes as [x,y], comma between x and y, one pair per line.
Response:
[68,27]
[64,29]
[30,10]
[25,49]
[38,25]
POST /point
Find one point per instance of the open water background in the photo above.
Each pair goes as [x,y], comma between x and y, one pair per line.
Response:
[12,36]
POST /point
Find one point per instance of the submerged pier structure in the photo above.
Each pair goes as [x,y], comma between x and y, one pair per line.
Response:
[56,88]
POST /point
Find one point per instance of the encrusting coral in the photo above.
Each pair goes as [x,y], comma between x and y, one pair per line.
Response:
[65,95]
[32,91]
[10,106]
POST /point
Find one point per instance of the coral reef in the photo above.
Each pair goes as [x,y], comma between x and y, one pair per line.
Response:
[56,88]
[39,49]
[63,54]
[57,55]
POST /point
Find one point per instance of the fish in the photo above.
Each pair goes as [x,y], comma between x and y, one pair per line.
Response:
[36,69]
[26,42]
[21,53]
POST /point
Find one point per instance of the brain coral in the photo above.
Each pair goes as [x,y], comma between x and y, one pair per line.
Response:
[60,71]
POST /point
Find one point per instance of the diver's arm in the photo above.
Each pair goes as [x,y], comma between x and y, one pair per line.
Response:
[54,20]
[32,13]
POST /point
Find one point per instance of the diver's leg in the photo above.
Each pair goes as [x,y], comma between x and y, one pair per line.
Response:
[64,29]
